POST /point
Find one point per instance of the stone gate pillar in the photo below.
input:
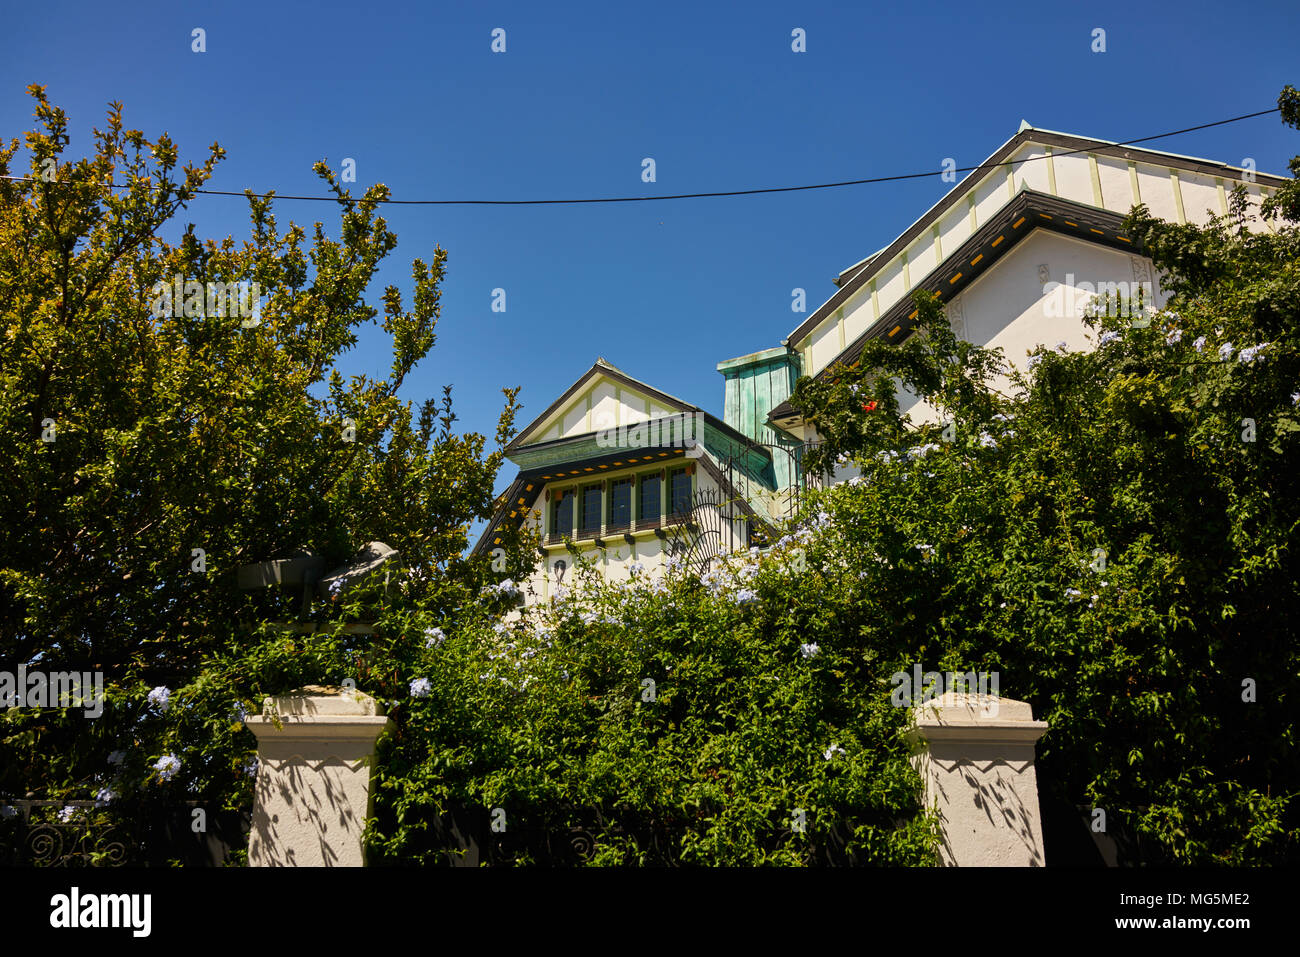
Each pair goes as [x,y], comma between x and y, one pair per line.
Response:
[976,758]
[313,778]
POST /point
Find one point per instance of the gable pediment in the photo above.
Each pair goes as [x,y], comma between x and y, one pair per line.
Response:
[604,397]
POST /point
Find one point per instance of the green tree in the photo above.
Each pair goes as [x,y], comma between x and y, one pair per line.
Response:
[143,421]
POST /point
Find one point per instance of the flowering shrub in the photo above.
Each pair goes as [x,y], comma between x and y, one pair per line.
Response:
[1124,555]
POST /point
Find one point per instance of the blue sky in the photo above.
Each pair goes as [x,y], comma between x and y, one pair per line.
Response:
[584,92]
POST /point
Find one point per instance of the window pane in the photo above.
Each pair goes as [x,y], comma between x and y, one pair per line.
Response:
[591,508]
[562,514]
[620,504]
[679,492]
[648,511]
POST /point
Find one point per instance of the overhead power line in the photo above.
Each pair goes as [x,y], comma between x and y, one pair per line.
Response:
[734,192]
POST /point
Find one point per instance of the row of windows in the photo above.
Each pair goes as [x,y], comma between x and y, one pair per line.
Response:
[620,505]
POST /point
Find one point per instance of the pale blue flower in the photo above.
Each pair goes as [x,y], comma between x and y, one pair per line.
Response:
[67,813]
[1174,337]
[1109,336]
[251,766]
[167,766]
[833,750]
[636,568]
[1225,351]
[160,697]
[745,596]
[104,797]
[809,650]
[8,812]
[1252,353]
[421,687]
[1199,343]
[1060,346]
[434,637]
[1032,362]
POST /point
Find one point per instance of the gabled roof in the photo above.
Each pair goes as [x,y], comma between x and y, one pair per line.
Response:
[857,275]
[601,368]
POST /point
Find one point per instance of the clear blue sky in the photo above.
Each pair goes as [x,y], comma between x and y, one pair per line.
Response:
[583,92]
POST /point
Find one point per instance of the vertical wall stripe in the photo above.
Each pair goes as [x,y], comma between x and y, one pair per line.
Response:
[1223,196]
[938,245]
[1051,172]
[875,301]
[1096,181]
[907,273]
[970,204]
[1133,182]
[618,407]
[839,323]
[1011,183]
[587,420]
[1178,196]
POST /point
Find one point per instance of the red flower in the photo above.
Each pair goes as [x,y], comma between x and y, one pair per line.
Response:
[869,406]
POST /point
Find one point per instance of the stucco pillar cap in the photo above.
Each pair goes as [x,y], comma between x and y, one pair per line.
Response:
[965,717]
[319,711]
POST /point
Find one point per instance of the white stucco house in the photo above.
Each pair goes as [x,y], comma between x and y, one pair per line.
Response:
[1014,251]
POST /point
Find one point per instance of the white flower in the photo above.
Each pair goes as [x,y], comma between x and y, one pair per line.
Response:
[924,548]
[856,480]
[66,814]
[167,766]
[1109,336]
[160,697]
[921,451]
[589,617]
[501,630]
[1174,337]
[420,687]
[434,637]
[1295,398]
[1198,343]
[1225,351]
[1001,417]
[833,750]
[1072,593]
[809,650]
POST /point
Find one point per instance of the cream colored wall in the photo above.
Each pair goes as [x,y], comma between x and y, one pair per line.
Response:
[603,405]
[1008,306]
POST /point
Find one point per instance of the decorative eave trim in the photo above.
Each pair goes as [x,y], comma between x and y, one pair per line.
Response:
[1028,211]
